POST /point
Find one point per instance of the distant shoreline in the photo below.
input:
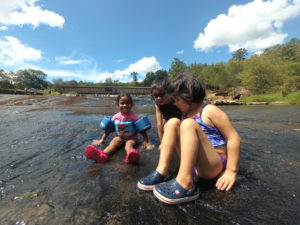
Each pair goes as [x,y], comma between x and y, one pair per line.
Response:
[5,98]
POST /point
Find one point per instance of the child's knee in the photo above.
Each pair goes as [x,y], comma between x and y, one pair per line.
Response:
[116,141]
[172,123]
[188,125]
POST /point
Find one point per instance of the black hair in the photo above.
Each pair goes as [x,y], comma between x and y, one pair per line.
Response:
[124,95]
[188,87]
[159,83]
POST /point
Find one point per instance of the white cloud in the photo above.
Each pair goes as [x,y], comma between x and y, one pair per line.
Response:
[180,52]
[143,66]
[14,53]
[3,28]
[72,75]
[254,26]
[259,52]
[120,60]
[64,60]
[20,12]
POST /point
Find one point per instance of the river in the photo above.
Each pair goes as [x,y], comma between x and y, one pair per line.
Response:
[45,178]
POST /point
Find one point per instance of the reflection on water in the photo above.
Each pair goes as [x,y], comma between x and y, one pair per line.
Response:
[45,178]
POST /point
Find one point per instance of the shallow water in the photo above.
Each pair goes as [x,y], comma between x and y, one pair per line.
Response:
[45,178]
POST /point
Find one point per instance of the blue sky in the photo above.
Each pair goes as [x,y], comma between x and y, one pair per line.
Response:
[93,40]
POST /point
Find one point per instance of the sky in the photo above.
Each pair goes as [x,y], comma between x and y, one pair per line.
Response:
[93,40]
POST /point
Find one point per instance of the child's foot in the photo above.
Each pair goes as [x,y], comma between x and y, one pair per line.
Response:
[132,157]
[171,192]
[93,153]
[147,183]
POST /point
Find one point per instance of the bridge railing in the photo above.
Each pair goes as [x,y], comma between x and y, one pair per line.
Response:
[106,90]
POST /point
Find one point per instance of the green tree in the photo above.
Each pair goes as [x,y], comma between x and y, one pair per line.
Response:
[70,83]
[151,76]
[30,78]
[176,66]
[207,76]
[221,79]
[262,74]
[57,84]
[233,68]
[240,54]
[196,69]
[5,80]
[134,77]
[108,81]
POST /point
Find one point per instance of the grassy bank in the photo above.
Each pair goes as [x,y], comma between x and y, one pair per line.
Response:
[292,98]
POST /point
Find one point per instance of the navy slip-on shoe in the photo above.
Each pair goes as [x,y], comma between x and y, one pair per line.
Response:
[147,183]
[171,192]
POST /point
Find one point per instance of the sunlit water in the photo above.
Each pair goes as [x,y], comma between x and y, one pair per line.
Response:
[45,178]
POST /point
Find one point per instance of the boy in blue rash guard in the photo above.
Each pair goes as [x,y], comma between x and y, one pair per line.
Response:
[207,143]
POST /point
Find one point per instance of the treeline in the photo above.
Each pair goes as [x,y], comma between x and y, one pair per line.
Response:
[277,69]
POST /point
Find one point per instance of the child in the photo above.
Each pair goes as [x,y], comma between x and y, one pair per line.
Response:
[164,105]
[126,131]
[207,142]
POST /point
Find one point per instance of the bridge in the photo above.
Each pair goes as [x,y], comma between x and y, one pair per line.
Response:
[107,90]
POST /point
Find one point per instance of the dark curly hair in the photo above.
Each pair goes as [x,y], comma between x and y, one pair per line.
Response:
[188,87]
[159,83]
[122,94]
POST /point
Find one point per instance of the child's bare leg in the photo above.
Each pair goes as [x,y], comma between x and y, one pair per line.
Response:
[130,144]
[169,142]
[196,151]
[113,145]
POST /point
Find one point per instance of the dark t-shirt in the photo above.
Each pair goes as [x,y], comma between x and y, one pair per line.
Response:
[169,111]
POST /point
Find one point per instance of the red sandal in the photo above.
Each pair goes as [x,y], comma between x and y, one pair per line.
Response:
[93,153]
[132,157]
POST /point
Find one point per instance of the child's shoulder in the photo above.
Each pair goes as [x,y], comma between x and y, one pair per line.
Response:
[116,116]
[133,116]
[212,110]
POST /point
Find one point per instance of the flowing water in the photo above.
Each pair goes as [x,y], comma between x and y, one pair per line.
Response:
[45,178]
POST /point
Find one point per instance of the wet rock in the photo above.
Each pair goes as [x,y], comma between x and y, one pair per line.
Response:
[257,103]
[44,150]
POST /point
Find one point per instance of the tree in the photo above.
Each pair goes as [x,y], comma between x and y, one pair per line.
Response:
[108,81]
[240,54]
[176,66]
[57,83]
[221,79]
[30,78]
[150,77]
[291,50]
[196,69]
[233,68]
[5,80]
[70,83]
[134,77]
[262,74]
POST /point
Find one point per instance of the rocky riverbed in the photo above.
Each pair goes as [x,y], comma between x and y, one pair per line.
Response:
[45,178]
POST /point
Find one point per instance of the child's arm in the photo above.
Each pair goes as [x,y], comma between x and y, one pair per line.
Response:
[146,143]
[159,123]
[228,178]
[102,139]
[222,122]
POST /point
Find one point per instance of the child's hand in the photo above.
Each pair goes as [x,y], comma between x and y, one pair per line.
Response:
[97,142]
[148,145]
[226,180]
